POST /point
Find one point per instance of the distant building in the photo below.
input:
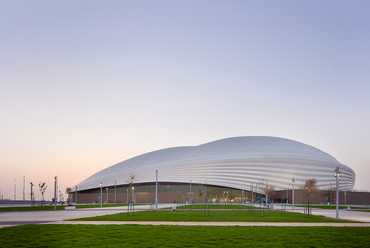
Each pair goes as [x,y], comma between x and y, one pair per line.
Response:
[218,171]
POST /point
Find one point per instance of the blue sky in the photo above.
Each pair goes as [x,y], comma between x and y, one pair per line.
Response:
[87,84]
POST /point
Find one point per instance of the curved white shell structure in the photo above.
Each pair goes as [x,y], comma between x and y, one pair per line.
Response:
[235,163]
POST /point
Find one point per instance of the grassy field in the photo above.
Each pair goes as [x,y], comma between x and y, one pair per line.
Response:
[47,208]
[181,236]
[217,206]
[214,216]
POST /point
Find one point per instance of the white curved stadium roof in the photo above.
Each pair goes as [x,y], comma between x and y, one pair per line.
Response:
[233,162]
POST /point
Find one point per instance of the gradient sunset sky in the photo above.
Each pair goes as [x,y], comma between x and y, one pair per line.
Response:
[88,84]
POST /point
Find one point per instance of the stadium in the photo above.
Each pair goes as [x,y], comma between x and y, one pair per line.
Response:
[223,170]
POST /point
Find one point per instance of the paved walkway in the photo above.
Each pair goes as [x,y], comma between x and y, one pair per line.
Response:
[60,217]
[37,217]
[343,214]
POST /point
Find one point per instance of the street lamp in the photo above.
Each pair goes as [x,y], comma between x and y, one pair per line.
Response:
[101,194]
[31,194]
[127,195]
[337,200]
[107,195]
[267,195]
[156,189]
[76,195]
[252,202]
[115,190]
[133,195]
[55,192]
[293,196]
[190,193]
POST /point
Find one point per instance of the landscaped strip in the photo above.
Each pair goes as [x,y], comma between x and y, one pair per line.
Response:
[213,216]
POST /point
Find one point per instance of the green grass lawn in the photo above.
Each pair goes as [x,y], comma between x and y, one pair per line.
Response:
[182,236]
[214,216]
[216,206]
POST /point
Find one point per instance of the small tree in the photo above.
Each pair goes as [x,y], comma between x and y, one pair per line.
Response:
[131,180]
[310,188]
[43,187]
[61,197]
[200,193]
[270,192]
[68,190]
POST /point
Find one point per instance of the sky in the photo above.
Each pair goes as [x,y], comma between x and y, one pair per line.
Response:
[87,84]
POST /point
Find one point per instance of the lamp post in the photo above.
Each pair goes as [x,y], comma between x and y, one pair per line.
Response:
[31,194]
[156,189]
[252,202]
[107,196]
[15,189]
[76,195]
[337,200]
[101,194]
[267,194]
[115,191]
[133,194]
[345,198]
[55,192]
[190,200]
[293,195]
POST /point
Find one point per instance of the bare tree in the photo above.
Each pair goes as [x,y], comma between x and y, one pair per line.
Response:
[68,190]
[200,193]
[270,192]
[43,187]
[310,188]
[131,181]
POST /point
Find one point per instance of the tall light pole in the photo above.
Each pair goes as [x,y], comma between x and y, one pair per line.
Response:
[115,190]
[76,195]
[252,202]
[190,193]
[127,195]
[242,196]
[55,192]
[337,200]
[107,195]
[101,194]
[293,195]
[31,194]
[267,194]
[156,189]
[133,194]
[24,188]
[345,198]
[15,189]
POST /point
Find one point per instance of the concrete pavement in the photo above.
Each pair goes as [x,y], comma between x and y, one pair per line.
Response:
[342,215]
[38,217]
[60,216]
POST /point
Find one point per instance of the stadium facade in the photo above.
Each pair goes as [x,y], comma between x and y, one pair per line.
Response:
[222,170]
